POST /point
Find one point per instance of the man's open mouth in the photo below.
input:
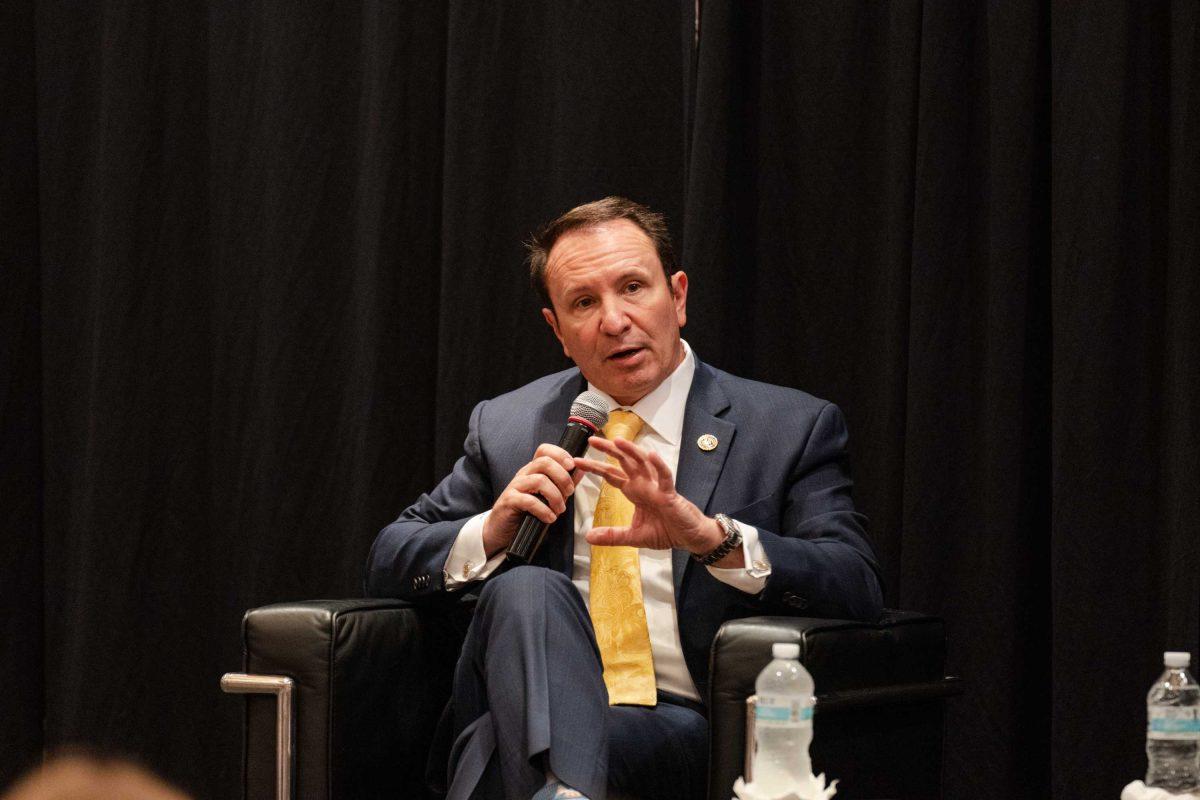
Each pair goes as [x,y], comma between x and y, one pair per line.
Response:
[626,354]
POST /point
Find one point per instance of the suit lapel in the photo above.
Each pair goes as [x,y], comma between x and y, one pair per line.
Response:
[698,470]
[560,539]
[554,414]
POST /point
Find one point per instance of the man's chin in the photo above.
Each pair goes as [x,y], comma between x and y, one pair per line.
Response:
[625,390]
[626,385]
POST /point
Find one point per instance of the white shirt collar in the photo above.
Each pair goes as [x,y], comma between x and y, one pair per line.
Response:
[662,409]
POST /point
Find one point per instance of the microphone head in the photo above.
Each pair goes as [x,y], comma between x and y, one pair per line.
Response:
[591,408]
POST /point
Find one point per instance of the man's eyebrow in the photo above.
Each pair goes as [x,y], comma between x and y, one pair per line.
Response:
[637,272]
[573,288]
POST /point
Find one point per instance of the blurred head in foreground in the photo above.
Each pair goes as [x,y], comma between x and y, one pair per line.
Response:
[78,777]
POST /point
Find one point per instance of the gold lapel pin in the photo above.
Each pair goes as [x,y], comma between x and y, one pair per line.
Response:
[707,442]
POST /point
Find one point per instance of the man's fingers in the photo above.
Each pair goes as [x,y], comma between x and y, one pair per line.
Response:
[665,482]
[631,450]
[609,472]
[610,536]
[531,504]
[556,453]
[552,450]
[603,445]
[549,466]
[540,484]
[636,460]
[630,460]
[561,477]
[647,465]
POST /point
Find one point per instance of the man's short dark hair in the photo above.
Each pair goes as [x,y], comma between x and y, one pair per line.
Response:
[590,215]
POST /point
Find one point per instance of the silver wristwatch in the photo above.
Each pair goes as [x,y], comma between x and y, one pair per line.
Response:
[733,539]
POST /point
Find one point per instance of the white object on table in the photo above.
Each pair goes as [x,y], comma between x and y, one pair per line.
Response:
[1140,791]
[814,789]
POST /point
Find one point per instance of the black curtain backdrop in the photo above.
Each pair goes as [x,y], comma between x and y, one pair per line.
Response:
[260,259]
[869,186]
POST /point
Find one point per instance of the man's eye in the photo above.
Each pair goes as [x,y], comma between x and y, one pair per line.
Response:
[633,287]
[583,302]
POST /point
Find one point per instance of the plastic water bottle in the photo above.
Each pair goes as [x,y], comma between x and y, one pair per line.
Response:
[783,722]
[1173,727]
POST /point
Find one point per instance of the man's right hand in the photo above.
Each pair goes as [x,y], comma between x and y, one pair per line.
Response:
[547,476]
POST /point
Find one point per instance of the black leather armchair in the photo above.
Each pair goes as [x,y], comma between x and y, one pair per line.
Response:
[369,679]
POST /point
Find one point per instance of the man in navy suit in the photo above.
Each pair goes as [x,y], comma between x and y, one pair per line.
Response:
[741,506]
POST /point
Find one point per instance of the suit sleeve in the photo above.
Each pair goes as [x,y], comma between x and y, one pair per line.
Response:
[408,556]
[822,563]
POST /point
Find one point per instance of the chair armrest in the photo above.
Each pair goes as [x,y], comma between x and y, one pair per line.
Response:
[371,678]
[856,667]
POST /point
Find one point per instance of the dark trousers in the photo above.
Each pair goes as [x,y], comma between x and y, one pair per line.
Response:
[528,694]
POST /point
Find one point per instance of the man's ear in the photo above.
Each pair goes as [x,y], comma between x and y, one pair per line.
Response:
[679,287]
[552,320]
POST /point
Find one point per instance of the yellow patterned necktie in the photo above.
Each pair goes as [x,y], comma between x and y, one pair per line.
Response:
[618,615]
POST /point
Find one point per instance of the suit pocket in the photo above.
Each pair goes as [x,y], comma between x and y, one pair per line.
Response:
[762,513]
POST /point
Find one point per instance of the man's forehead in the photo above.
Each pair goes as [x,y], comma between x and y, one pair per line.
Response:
[610,247]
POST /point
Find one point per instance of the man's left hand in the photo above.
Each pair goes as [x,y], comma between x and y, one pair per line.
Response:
[662,518]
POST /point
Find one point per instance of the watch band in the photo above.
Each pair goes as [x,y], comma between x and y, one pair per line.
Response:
[733,539]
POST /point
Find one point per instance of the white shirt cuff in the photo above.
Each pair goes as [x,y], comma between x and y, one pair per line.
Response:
[468,560]
[751,578]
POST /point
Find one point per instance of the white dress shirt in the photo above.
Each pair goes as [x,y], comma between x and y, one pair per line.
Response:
[662,411]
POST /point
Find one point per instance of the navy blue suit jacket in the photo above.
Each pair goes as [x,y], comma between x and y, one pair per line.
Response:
[780,465]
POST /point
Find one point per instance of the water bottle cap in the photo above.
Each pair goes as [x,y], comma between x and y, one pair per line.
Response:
[1173,658]
[785,650]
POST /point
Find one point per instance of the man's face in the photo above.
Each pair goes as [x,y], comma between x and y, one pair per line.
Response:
[614,312]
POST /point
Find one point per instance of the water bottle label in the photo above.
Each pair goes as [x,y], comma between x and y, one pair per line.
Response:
[1173,722]
[783,712]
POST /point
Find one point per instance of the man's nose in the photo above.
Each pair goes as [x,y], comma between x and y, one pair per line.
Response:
[613,319]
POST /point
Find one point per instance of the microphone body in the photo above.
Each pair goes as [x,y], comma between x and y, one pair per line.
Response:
[532,530]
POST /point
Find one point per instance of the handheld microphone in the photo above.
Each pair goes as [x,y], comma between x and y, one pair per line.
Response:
[589,413]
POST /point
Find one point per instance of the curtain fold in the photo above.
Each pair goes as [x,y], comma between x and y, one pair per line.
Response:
[878,193]
[1125,532]
[547,105]
[240,220]
[21,465]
